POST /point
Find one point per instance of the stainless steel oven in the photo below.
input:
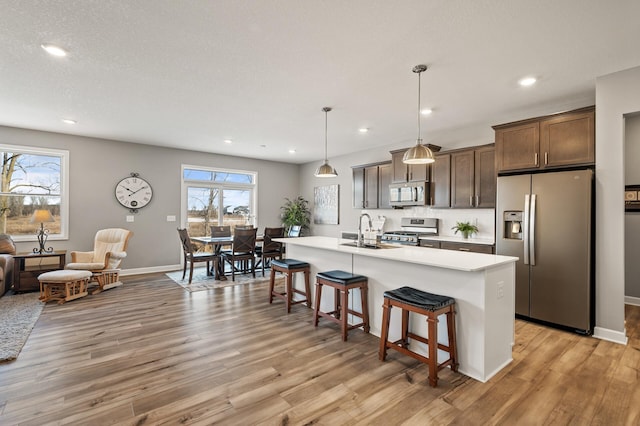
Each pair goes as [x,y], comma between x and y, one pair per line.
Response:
[412,229]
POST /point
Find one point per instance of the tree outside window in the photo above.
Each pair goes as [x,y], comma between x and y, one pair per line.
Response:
[31,179]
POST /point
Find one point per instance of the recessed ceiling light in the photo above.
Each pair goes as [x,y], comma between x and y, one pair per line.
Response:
[69,121]
[292,151]
[228,141]
[527,81]
[426,111]
[363,130]
[54,50]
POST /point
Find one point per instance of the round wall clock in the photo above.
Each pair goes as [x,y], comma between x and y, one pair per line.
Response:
[133,192]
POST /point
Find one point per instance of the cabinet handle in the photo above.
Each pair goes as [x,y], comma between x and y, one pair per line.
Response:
[427,245]
[471,200]
[431,201]
[546,158]
[535,158]
[477,201]
[464,249]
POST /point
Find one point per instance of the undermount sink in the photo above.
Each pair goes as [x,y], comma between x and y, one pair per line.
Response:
[374,247]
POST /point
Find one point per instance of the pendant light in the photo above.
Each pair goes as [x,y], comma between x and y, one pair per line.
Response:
[325,170]
[418,154]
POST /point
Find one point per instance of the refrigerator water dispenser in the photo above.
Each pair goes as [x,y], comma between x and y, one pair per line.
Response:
[513,225]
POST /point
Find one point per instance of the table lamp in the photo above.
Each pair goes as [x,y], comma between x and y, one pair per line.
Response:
[42,216]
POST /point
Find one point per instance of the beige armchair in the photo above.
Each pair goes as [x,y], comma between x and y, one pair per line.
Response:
[109,249]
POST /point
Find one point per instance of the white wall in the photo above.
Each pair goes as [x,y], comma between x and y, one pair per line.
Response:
[96,165]
[617,95]
[632,219]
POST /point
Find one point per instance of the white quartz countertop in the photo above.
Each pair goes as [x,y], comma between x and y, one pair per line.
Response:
[449,259]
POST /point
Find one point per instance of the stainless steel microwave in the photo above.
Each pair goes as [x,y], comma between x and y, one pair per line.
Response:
[409,194]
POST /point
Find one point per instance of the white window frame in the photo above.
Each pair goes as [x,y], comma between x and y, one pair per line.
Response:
[64,188]
[253,207]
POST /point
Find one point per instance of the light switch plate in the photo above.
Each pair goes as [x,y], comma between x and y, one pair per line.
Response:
[130,218]
[171,218]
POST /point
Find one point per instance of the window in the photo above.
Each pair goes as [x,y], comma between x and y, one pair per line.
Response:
[217,197]
[33,179]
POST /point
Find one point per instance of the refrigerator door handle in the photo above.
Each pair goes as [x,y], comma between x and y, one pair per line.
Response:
[532,232]
[525,229]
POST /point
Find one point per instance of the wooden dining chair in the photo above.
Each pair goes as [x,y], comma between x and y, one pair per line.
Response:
[243,249]
[270,249]
[220,231]
[191,256]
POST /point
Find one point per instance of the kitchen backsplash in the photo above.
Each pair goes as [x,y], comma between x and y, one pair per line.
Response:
[483,218]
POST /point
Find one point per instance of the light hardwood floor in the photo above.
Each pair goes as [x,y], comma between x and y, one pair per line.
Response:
[151,353]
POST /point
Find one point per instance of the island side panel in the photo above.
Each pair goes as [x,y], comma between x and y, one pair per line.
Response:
[499,317]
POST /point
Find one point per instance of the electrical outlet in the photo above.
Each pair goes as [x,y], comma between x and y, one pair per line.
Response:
[500,289]
[171,218]
[130,218]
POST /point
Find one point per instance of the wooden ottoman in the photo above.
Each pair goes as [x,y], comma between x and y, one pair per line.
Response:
[63,285]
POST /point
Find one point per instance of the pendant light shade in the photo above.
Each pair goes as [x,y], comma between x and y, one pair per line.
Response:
[325,170]
[418,154]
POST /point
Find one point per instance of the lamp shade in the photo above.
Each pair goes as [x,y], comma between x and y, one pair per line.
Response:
[418,154]
[325,170]
[40,216]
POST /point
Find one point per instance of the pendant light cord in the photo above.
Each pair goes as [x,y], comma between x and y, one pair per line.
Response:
[326,160]
[419,106]
[326,111]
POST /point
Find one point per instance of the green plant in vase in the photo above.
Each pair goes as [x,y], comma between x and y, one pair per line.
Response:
[465,228]
[295,212]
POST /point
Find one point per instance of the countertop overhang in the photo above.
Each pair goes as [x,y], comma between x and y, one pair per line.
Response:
[449,259]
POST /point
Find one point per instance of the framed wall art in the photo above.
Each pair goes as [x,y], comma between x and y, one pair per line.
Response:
[326,205]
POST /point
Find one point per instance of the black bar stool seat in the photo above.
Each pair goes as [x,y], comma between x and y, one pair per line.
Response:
[290,267]
[289,263]
[342,282]
[427,304]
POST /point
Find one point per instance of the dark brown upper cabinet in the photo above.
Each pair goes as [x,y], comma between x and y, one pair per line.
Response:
[371,186]
[559,140]
[441,194]
[473,177]
[465,178]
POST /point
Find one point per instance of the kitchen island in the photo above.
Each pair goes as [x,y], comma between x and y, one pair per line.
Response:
[482,284]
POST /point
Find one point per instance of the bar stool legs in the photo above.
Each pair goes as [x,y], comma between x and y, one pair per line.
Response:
[342,282]
[431,306]
[290,267]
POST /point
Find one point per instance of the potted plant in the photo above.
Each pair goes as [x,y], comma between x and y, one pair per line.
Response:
[465,228]
[296,212]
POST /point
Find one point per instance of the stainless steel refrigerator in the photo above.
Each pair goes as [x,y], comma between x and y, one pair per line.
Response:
[546,219]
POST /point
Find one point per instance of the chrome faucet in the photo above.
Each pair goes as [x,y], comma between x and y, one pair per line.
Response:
[360,236]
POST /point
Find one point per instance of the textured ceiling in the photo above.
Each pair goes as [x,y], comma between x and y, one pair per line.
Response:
[190,74]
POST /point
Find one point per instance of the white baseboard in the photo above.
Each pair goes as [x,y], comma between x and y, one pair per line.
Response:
[610,335]
[630,300]
[139,271]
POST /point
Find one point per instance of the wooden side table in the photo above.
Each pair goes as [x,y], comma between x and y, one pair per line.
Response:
[27,267]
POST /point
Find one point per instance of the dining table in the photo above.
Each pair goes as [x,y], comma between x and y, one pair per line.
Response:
[217,243]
